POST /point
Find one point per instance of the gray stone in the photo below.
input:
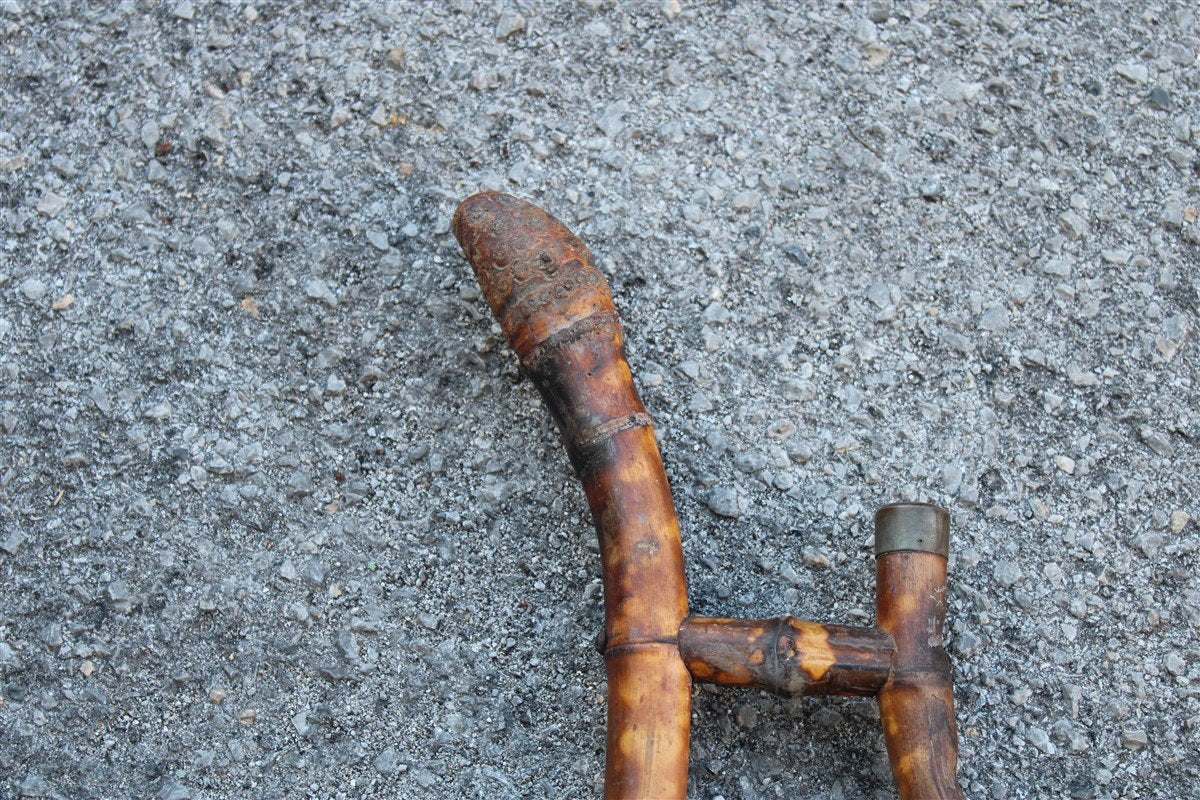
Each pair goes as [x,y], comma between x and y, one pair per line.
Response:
[509,24]
[300,484]
[34,785]
[388,762]
[747,716]
[966,644]
[51,204]
[120,597]
[11,543]
[378,240]
[879,294]
[1007,573]
[701,100]
[1081,376]
[995,318]
[1134,738]
[727,501]
[1156,441]
[956,89]
[1041,740]
[317,289]
[1060,266]
[744,201]
[1136,73]
[33,289]
[1072,224]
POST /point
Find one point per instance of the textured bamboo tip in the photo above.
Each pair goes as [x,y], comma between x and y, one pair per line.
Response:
[922,527]
[537,276]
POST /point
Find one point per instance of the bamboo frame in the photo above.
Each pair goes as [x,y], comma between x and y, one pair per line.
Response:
[557,312]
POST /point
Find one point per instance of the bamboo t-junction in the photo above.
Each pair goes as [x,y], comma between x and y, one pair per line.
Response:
[557,312]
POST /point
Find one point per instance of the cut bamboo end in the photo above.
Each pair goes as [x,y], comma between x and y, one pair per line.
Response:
[912,526]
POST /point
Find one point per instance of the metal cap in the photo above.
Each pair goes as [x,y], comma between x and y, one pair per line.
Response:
[912,526]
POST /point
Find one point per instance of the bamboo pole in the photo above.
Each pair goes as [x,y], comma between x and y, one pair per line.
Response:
[916,705]
[787,656]
[557,312]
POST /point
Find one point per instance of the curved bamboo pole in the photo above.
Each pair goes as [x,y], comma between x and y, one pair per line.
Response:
[557,312]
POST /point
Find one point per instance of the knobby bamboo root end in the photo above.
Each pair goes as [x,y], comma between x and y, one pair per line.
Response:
[537,276]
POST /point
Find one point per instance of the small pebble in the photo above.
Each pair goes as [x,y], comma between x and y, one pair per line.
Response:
[33,288]
[11,544]
[1136,73]
[959,90]
[379,240]
[1072,224]
[317,289]
[509,24]
[1041,740]
[1007,573]
[1159,98]
[701,100]
[726,501]
[51,204]
[747,716]
[1135,739]
[380,116]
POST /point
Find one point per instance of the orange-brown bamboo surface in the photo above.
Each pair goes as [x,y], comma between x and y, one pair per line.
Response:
[917,703]
[557,312]
[787,656]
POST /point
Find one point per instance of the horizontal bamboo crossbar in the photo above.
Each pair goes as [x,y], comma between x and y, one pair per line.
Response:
[787,656]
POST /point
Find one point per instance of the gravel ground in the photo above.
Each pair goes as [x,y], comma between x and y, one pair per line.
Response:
[279,518]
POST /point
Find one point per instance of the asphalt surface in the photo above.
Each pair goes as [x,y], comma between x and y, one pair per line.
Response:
[279,517]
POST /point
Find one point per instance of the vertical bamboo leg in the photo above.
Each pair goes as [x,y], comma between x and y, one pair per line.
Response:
[917,703]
